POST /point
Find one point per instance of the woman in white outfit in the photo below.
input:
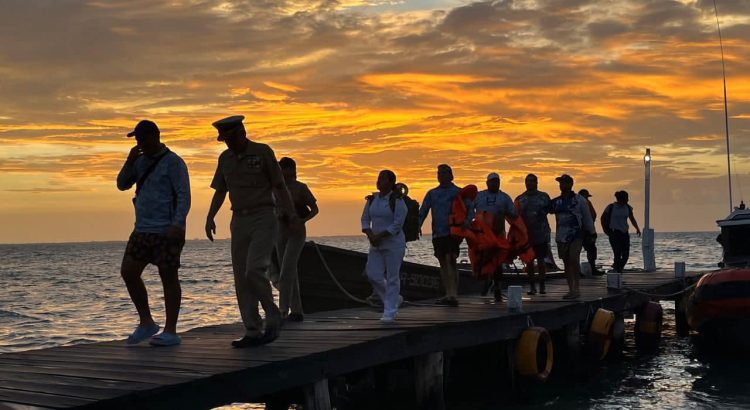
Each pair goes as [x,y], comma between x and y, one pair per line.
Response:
[382,220]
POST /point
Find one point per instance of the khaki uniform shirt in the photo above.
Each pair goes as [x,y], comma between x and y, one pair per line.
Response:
[302,197]
[249,177]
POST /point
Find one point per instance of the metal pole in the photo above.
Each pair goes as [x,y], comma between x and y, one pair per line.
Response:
[648,189]
[647,236]
[726,109]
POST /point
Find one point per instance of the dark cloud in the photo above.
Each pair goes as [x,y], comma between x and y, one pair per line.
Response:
[522,86]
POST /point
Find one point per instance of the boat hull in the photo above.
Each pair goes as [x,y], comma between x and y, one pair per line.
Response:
[320,292]
[719,306]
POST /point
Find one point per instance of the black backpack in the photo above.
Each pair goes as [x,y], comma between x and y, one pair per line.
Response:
[411,223]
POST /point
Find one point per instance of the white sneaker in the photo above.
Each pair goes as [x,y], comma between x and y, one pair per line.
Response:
[388,319]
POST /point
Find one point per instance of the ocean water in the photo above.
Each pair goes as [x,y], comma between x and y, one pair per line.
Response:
[61,294]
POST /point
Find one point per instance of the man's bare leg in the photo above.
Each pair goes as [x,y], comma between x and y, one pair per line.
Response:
[131,271]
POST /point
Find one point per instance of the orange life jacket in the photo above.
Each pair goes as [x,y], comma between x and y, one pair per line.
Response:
[488,249]
[459,212]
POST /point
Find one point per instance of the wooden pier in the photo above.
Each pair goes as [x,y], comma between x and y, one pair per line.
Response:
[205,371]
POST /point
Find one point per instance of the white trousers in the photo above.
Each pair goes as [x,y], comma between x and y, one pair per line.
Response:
[384,272]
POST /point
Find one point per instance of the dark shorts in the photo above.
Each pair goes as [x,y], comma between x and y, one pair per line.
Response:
[541,251]
[445,245]
[155,248]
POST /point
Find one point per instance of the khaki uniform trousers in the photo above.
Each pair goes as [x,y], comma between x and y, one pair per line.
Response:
[253,239]
[288,250]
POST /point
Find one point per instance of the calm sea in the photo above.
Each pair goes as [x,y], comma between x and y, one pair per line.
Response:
[60,294]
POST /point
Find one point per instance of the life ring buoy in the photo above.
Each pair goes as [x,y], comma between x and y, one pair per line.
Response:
[534,354]
[648,325]
[600,333]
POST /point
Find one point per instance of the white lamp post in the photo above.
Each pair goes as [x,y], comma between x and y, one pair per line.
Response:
[647,238]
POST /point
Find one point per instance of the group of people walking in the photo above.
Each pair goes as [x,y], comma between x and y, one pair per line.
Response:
[270,208]
[269,211]
[385,213]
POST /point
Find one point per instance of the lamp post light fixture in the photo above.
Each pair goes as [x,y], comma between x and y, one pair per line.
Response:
[647,239]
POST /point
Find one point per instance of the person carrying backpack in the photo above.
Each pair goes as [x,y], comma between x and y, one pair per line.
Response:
[615,225]
[383,224]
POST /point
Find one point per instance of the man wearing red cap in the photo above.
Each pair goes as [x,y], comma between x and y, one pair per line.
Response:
[249,173]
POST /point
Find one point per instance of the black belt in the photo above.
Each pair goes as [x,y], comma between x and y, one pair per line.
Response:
[250,211]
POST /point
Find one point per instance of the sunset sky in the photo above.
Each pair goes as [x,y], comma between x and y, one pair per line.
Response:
[351,87]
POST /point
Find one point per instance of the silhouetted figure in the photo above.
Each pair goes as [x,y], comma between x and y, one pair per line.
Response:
[615,225]
[162,202]
[500,205]
[446,247]
[534,206]
[573,221]
[292,235]
[589,240]
[248,171]
[382,220]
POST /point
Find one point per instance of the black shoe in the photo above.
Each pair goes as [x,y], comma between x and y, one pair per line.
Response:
[498,296]
[597,272]
[248,341]
[295,317]
[447,301]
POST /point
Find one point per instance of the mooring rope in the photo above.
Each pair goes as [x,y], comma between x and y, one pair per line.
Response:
[333,277]
[347,293]
[658,296]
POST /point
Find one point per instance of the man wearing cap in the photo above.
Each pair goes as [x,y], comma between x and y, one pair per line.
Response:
[439,200]
[534,206]
[499,204]
[249,172]
[573,221]
[589,240]
[162,202]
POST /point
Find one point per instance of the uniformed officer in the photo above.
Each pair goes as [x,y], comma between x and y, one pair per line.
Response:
[248,171]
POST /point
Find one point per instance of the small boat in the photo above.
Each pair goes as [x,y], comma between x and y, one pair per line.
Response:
[332,278]
[735,238]
[719,306]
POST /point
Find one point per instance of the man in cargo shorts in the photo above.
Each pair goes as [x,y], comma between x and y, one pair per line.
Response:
[162,203]
[249,172]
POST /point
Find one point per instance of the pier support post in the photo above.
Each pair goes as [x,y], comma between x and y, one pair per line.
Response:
[428,371]
[276,404]
[680,317]
[510,354]
[573,340]
[317,396]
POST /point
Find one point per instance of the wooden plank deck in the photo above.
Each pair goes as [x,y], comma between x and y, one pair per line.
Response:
[205,371]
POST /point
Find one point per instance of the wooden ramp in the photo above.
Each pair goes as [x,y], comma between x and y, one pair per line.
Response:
[205,371]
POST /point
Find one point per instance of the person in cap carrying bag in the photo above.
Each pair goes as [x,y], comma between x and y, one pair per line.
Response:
[162,202]
[574,221]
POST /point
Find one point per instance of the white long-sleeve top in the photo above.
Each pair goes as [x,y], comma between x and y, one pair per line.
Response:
[378,216]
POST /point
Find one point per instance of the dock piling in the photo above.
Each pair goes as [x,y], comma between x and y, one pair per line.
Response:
[317,396]
[428,373]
